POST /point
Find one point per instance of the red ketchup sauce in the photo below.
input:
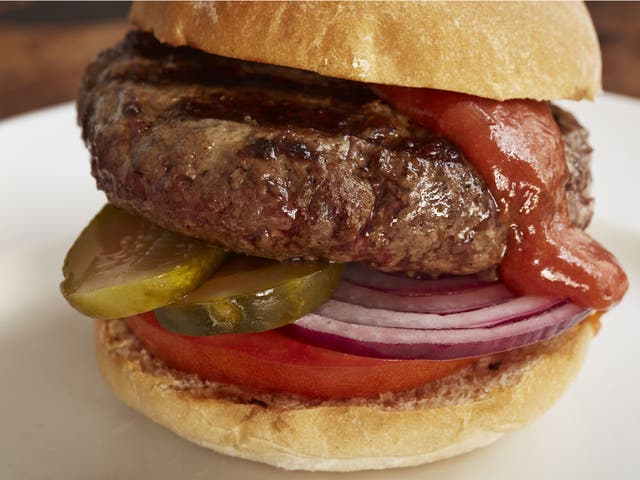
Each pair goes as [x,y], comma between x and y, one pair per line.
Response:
[517,148]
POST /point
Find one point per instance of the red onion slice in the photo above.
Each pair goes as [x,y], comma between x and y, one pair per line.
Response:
[388,282]
[435,302]
[401,343]
[510,311]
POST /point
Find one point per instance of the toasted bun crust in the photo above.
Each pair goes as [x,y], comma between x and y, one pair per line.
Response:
[469,409]
[500,50]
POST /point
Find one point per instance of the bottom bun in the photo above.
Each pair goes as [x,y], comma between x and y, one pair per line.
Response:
[453,415]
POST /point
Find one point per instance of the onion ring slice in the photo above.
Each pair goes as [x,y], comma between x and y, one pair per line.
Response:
[510,311]
[442,302]
[389,282]
[402,343]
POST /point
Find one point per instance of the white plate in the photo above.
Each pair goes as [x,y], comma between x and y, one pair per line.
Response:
[59,420]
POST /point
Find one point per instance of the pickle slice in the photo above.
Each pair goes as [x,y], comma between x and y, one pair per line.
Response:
[249,294]
[121,265]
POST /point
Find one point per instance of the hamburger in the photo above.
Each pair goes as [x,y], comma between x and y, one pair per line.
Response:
[342,236]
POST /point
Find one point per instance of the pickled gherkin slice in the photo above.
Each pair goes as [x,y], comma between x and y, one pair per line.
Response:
[121,265]
[249,294]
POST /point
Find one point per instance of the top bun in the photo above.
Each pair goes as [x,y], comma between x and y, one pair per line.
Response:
[501,50]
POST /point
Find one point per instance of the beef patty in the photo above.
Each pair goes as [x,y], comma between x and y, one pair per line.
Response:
[283,163]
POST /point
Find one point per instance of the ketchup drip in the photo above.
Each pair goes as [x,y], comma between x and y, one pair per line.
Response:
[517,148]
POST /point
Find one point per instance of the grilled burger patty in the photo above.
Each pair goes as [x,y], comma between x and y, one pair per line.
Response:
[283,163]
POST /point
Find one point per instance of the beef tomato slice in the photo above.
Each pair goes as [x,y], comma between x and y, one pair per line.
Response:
[270,361]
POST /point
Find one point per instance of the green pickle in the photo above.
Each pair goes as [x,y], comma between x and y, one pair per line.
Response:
[121,265]
[249,294]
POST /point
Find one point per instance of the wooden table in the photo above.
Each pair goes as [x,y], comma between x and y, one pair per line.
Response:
[43,58]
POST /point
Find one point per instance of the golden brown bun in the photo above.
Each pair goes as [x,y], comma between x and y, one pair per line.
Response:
[539,50]
[469,409]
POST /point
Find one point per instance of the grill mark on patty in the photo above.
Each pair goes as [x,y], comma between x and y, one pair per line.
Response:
[165,65]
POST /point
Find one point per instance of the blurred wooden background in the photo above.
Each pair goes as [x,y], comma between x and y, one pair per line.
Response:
[44,47]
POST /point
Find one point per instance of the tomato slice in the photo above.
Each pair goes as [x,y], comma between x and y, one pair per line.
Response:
[271,361]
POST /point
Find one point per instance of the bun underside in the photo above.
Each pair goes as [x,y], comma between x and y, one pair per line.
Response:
[456,414]
[500,50]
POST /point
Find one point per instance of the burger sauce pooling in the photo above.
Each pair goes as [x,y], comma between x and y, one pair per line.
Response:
[517,148]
